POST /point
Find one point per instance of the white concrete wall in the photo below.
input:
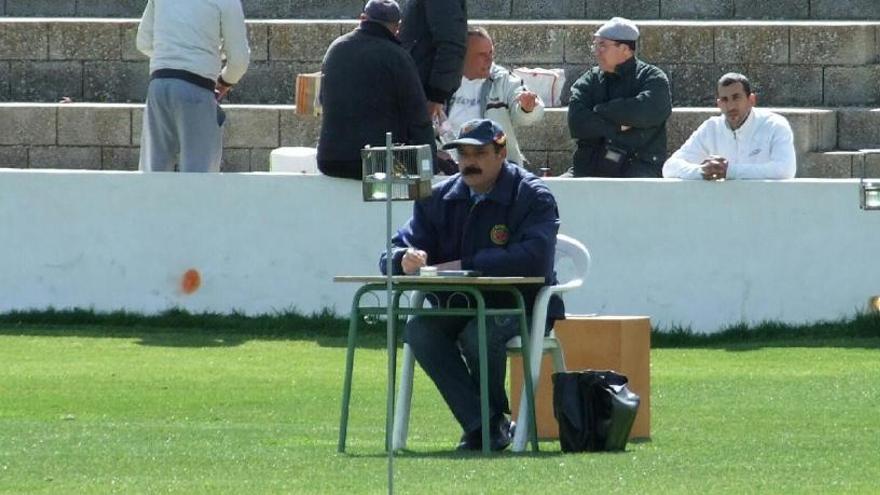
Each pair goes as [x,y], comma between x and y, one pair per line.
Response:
[688,253]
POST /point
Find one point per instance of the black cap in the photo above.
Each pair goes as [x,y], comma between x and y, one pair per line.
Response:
[382,11]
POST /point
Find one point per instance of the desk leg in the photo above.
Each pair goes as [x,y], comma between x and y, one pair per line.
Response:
[392,371]
[349,368]
[531,424]
[484,371]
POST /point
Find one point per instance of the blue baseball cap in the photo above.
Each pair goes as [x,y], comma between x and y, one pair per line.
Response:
[478,132]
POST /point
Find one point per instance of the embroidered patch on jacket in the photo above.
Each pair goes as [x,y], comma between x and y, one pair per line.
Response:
[500,234]
[755,152]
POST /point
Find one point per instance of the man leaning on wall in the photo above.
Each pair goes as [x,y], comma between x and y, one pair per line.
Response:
[743,143]
[618,110]
[187,42]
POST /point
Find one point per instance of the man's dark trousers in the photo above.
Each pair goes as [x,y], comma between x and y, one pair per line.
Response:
[438,344]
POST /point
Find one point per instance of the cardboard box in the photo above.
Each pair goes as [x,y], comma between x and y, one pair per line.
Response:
[308,91]
[620,343]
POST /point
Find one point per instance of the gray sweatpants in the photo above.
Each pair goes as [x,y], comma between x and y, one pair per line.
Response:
[182,125]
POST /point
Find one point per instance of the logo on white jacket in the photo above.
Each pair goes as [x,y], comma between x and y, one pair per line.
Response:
[755,152]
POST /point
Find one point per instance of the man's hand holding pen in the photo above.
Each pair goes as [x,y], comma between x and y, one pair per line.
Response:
[412,260]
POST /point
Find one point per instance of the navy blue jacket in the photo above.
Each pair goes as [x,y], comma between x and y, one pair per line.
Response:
[512,232]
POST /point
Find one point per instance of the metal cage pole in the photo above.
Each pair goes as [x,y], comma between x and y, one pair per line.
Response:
[389,315]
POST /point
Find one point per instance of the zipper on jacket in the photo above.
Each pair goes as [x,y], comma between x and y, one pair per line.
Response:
[467,223]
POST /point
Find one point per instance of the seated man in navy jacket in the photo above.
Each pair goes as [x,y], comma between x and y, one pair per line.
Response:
[496,218]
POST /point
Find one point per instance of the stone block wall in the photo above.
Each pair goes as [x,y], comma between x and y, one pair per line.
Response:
[829,64]
[107,136]
[97,61]
[490,9]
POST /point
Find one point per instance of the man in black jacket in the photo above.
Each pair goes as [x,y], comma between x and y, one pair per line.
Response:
[435,33]
[370,86]
[618,110]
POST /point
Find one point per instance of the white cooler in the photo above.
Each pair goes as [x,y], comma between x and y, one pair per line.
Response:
[294,159]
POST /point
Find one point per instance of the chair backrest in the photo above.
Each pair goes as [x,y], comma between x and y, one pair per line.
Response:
[572,261]
[572,264]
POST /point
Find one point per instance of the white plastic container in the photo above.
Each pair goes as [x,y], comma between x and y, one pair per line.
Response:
[294,159]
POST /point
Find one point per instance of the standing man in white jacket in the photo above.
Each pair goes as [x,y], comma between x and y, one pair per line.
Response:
[187,42]
[489,91]
[743,143]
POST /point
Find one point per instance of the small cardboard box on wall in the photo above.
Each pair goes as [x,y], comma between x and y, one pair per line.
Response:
[308,91]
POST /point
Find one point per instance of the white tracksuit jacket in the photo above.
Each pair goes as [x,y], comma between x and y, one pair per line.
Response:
[762,148]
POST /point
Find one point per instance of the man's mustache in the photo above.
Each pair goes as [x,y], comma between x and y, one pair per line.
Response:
[471,171]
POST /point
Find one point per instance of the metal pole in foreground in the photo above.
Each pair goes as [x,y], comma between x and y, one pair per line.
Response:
[389,315]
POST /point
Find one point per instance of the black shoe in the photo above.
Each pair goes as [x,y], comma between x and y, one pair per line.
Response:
[499,436]
[470,441]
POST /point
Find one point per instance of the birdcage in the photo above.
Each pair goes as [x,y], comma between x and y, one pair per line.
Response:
[412,167]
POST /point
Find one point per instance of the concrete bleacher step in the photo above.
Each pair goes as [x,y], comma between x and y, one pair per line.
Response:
[806,64]
[492,9]
[841,164]
[862,127]
[815,129]
[106,136]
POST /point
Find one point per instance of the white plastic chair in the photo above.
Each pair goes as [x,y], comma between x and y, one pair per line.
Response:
[567,249]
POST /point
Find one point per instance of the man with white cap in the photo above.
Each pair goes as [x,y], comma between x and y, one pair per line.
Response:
[370,86]
[618,109]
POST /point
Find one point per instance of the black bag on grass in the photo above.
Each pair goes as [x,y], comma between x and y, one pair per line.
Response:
[595,410]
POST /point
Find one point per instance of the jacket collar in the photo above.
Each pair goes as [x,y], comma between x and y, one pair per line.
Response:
[373,28]
[496,72]
[625,69]
[501,193]
[746,126]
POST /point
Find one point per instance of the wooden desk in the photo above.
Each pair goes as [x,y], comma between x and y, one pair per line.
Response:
[470,286]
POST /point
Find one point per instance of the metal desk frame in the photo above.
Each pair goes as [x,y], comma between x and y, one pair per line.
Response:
[472,286]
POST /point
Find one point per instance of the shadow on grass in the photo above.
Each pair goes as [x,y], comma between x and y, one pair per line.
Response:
[178,328]
[470,455]
[860,331]
[463,456]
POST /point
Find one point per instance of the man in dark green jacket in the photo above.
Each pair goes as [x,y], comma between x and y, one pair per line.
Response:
[618,110]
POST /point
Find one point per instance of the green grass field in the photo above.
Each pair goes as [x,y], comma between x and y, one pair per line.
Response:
[215,409]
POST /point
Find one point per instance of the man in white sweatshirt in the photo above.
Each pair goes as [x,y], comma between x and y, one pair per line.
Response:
[743,143]
[187,42]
